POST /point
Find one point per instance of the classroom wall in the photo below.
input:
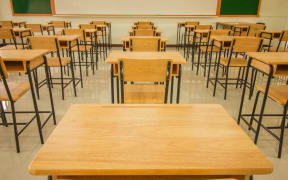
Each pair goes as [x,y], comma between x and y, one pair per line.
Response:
[273,12]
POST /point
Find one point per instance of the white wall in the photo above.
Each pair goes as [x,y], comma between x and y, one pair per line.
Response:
[273,12]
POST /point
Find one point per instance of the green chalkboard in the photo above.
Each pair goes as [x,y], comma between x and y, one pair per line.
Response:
[239,7]
[31,6]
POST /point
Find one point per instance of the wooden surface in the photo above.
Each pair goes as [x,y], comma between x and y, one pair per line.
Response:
[199,139]
[115,56]
[22,55]
[127,38]
[275,58]
[278,93]
[17,90]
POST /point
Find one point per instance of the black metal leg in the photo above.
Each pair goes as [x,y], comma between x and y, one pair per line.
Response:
[226,82]
[238,77]
[282,131]
[80,68]
[112,84]
[117,88]
[253,85]
[49,178]
[244,90]
[179,84]
[72,70]
[49,88]
[62,82]
[3,116]
[35,74]
[172,87]
[199,57]
[34,102]
[253,110]
[217,71]
[15,126]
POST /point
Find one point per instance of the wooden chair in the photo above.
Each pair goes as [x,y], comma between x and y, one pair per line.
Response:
[144,32]
[144,23]
[58,24]
[145,75]
[240,45]
[12,92]
[83,47]
[35,28]
[283,38]
[204,27]
[279,94]
[98,22]
[145,44]
[6,24]
[7,34]
[241,30]
[192,23]
[208,49]
[145,26]
[52,44]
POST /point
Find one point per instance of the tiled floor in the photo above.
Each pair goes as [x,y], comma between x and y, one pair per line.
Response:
[96,89]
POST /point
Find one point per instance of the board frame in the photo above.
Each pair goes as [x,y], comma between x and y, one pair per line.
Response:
[52,3]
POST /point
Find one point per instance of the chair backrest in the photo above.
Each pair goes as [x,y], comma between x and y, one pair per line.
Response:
[145,26]
[87,26]
[144,32]
[79,32]
[203,27]
[246,44]
[145,44]
[58,24]
[98,22]
[3,67]
[6,33]
[192,23]
[255,28]
[34,27]
[44,42]
[144,70]
[220,32]
[284,35]
[6,24]
[144,23]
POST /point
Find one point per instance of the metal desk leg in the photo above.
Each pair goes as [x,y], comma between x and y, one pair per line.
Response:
[80,69]
[217,71]
[112,84]
[34,102]
[49,88]
[172,87]
[72,70]
[179,84]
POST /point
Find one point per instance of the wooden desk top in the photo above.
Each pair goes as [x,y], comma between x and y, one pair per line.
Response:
[232,23]
[127,38]
[176,57]
[274,58]
[47,25]
[222,38]
[90,30]
[22,55]
[198,139]
[64,37]
[202,31]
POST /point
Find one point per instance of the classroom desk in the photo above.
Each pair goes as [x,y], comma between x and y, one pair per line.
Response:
[188,32]
[122,142]
[135,27]
[26,61]
[126,41]
[270,35]
[270,63]
[177,61]
[178,39]
[157,32]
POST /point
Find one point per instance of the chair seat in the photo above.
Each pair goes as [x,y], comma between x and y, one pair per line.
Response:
[144,94]
[82,48]
[11,47]
[54,61]
[215,49]
[235,62]
[17,90]
[277,93]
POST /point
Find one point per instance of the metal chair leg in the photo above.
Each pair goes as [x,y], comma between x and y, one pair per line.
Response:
[15,126]
[3,116]
[282,131]
[254,109]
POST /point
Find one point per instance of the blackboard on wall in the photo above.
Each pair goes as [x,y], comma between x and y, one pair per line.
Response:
[31,6]
[239,7]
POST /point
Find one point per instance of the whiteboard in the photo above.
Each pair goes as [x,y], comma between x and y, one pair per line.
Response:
[136,7]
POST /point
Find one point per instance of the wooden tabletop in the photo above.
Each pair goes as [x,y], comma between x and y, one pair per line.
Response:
[232,23]
[274,58]
[222,38]
[127,38]
[22,55]
[64,37]
[198,139]
[21,29]
[115,56]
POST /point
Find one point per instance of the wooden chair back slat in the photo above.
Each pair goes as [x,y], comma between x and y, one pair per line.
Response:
[192,23]
[145,44]
[79,32]
[43,42]
[204,27]
[247,44]
[220,32]
[87,26]
[144,32]
[98,22]
[58,24]
[6,24]
[145,26]
[6,33]
[144,23]
[148,70]
[284,35]
[35,28]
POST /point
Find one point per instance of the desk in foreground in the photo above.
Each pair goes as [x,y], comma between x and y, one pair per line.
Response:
[149,140]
